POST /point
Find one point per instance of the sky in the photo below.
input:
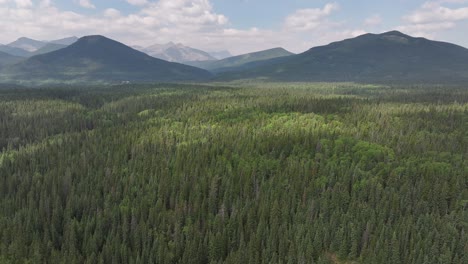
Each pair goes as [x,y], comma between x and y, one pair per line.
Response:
[239,26]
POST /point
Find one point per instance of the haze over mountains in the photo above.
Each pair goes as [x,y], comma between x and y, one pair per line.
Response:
[219,55]
[241,62]
[177,53]
[6,59]
[26,47]
[386,57]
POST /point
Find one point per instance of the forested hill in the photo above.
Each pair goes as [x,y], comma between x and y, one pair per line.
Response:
[98,59]
[314,173]
[387,57]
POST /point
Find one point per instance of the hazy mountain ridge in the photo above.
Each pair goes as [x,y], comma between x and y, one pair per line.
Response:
[219,55]
[27,47]
[49,47]
[7,59]
[97,58]
[391,56]
[27,44]
[64,41]
[176,53]
[237,62]
[14,51]
[387,57]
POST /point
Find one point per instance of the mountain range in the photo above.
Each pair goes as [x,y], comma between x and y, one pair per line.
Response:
[387,57]
[99,59]
[240,62]
[176,52]
[26,47]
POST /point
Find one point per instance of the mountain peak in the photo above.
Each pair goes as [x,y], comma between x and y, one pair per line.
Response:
[98,58]
[94,41]
[396,37]
[92,38]
[27,44]
[177,52]
[395,33]
[25,39]
[390,56]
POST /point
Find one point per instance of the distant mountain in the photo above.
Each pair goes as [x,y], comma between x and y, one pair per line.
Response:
[391,56]
[219,55]
[240,62]
[65,41]
[99,59]
[176,53]
[26,47]
[8,59]
[27,44]
[14,51]
[49,47]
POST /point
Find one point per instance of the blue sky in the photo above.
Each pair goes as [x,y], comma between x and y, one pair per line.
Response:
[236,25]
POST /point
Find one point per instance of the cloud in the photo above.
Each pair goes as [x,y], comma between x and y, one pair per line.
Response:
[184,13]
[86,4]
[373,20]
[192,22]
[428,30]
[433,11]
[310,18]
[45,3]
[433,17]
[112,13]
[137,2]
[23,3]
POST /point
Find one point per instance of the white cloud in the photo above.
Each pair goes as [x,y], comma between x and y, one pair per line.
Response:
[23,3]
[373,20]
[184,13]
[86,4]
[427,30]
[431,12]
[112,13]
[45,3]
[434,16]
[192,22]
[310,18]
[137,2]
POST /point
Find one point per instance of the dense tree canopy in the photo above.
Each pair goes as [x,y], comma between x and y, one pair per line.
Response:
[245,173]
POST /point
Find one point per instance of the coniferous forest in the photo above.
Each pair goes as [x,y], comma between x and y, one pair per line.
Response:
[234,173]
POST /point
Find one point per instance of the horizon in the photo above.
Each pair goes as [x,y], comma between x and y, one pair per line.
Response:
[232,55]
[215,25]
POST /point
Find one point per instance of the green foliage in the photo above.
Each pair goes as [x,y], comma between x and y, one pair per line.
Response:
[250,173]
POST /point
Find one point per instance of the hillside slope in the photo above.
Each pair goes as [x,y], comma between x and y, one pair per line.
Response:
[7,59]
